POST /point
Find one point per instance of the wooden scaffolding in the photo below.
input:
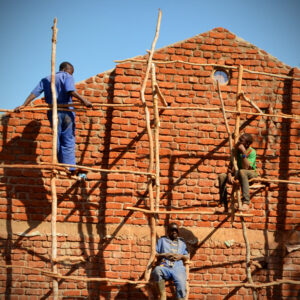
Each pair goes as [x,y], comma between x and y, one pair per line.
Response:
[153,171]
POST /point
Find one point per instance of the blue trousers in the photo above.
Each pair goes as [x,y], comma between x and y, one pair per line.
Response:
[177,275]
[65,137]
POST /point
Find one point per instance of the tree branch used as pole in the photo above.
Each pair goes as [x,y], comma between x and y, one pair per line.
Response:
[76,278]
[156,139]
[139,282]
[160,95]
[251,102]
[54,161]
[180,212]
[209,65]
[150,167]
[225,119]
[237,190]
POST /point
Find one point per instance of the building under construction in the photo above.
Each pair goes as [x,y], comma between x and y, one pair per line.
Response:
[153,144]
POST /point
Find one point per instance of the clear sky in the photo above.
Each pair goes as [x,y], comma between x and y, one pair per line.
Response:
[94,33]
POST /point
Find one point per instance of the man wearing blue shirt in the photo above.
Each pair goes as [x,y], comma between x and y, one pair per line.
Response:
[65,90]
[171,252]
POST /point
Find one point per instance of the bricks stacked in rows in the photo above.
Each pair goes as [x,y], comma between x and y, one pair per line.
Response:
[193,151]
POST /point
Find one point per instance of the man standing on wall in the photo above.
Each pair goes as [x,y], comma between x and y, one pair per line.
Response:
[65,90]
[246,161]
[171,253]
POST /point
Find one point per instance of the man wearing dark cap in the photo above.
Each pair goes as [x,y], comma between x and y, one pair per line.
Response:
[171,253]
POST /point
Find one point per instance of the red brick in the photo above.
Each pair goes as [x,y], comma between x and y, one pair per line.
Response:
[193,151]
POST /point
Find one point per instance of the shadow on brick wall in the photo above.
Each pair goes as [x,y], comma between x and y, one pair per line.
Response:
[18,183]
[285,147]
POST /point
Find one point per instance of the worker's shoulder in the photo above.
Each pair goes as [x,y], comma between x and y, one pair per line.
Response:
[63,75]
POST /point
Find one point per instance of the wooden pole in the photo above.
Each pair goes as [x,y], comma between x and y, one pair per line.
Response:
[232,152]
[138,282]
[248,269]
[180,212]
[212,65]
[54,161]
[225,120]
[283,116]
[161,96]
[187,269]
[76,278]
[238,105]
[251,102]
[247,285]
[156,138]
[237,189]
[258,179]
[62,167]
[150,167]
[150,174]
[176,61]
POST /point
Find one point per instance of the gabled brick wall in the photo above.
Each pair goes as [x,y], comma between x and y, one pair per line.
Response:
[92,218]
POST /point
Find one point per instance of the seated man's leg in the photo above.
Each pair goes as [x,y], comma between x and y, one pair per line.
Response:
[244,176]
[222,178]
[179,278]
[159,275]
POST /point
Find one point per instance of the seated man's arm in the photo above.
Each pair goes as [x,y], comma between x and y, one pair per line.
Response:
[172,256]
[230,172]
[182,257]
[164,255]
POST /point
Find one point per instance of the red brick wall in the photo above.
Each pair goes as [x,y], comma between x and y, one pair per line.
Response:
[193,151]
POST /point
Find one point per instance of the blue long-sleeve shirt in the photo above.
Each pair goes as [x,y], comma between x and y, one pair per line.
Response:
[64,83]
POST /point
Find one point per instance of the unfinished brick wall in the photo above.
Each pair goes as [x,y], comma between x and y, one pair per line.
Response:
[93,221]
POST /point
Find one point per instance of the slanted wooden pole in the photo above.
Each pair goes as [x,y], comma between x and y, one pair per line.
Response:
[160,95]
[54,161]
[232,151]
[238,105]
[150,168]
[226,121]
[235,190]
[251,102]
[156,138]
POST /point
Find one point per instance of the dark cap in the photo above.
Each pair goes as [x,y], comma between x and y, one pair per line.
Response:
[173,226]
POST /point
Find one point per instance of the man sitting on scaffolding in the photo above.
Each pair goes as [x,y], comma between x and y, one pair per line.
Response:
[246,162]
[171,252]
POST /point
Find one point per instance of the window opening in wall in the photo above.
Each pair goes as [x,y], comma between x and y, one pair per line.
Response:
[221,76]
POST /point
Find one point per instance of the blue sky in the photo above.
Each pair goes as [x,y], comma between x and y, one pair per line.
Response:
[94,33]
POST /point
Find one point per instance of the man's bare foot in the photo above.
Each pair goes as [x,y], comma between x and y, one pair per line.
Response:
[245,207]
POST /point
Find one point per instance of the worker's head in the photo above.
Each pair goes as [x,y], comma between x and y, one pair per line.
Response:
[173,231]
[66,67]
[246,139]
